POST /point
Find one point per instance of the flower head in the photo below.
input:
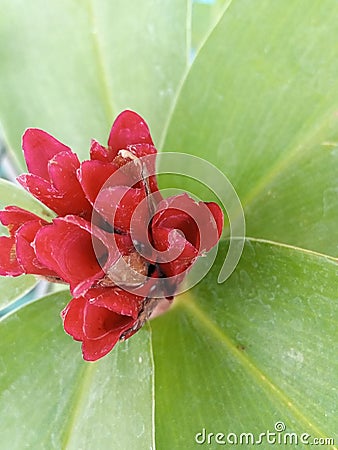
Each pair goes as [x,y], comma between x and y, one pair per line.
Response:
[118,244]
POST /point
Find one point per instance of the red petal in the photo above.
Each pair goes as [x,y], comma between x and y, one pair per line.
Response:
[100,321]
[42,190]
[148,154]
[25,252]
[62,170]
[140,150]
[218,216]
[13,217]
[9,264]
[98,327]
[128,129]
[124,243]
[94,349]
[117,206]
[195,220]
[93,175]
[68,199]
[116,300]
[100,153]
[63,175]
[175,219]
[39,147]
[67,249]
[166,240]
[73,318]
[106,245]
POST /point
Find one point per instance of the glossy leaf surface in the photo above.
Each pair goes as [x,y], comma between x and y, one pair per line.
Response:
[260,102]
[256,350]
[266,115]
[13,288]
[70,67]
[233,358]
[62,402]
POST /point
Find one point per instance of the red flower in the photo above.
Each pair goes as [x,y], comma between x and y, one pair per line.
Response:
[53,174]
[99,318]
[17,256]
[116,242]
[177,223]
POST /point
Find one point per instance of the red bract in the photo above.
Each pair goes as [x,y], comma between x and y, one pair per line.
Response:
[53,174]
[99,318]
[17,256]
[118,244]
[179,221]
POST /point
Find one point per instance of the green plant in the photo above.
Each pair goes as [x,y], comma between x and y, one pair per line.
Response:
[259,101]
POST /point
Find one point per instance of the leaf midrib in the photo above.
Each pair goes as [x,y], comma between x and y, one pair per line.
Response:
[296,150]
[189,66]
[84,377]
[295,153]
[260,378]
[296,248]
[102,70]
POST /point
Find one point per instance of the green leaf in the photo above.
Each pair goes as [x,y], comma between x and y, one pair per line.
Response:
[260,102]
[236,357]
[261,348]
[50,398]
[13,288]
[204,17]
[71,67]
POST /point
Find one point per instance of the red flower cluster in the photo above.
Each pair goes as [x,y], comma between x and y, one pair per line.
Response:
[113,264]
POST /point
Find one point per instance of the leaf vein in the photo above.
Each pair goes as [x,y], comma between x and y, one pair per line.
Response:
[85,376]
[189,305]
[102,70]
